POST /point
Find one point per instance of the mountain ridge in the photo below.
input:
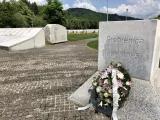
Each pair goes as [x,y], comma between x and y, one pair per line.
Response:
[84,18]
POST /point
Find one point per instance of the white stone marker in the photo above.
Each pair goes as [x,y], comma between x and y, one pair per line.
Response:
[55,33]
[136,44]
[21,38]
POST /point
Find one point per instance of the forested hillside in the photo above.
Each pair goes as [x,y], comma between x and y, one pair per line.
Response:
[84,18]
[23,13]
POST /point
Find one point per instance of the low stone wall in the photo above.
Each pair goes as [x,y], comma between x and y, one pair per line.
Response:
[84,31]
[21,38]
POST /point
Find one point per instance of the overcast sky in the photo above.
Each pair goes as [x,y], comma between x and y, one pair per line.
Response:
[136,8]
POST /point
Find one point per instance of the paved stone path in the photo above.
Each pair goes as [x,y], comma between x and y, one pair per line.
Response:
[35,84]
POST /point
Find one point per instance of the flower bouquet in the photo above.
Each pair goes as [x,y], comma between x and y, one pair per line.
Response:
[102,92]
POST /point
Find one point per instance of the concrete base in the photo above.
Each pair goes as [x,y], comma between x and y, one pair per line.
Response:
[81,95]
[156,81]
[143,102]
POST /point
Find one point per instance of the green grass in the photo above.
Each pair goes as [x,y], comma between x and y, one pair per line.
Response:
[81,36]
[92,38]
[93,44]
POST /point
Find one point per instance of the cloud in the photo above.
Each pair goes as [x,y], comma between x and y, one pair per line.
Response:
[137,8]
[66,6]
[40,2]
[84,4]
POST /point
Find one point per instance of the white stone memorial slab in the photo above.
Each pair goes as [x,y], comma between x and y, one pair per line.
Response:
[21,38]
[55,33]
[136,44]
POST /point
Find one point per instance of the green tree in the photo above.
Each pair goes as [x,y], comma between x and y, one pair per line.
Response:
[54,12]
[34,8]
[20,14]
[19,20]
[7,10]
[26,12]
[158,17]
[38,21]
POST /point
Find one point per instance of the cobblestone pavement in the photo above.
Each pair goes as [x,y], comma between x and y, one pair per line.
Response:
[35,84]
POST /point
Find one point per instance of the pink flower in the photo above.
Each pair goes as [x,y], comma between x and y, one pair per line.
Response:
[109,69]
[120,83]
[105,85]
[104,75]
[100,82]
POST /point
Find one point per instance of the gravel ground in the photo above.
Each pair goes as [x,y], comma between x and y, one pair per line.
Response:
[35,84]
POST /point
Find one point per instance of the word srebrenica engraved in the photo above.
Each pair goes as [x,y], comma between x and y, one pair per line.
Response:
[127,48]
[133,43]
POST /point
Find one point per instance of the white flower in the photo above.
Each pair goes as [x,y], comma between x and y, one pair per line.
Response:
[108,101]
[99,89]
[106,104]
[106,81]
[104,75]
[110,91]
[120,75]
[93,80]
[119,65]
[110,66]
[106,94]
[101,104]
[128,83]
[95,83]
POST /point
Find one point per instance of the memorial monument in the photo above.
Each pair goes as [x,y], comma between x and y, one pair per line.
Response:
[136,44]
[55,33]
[21,38]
